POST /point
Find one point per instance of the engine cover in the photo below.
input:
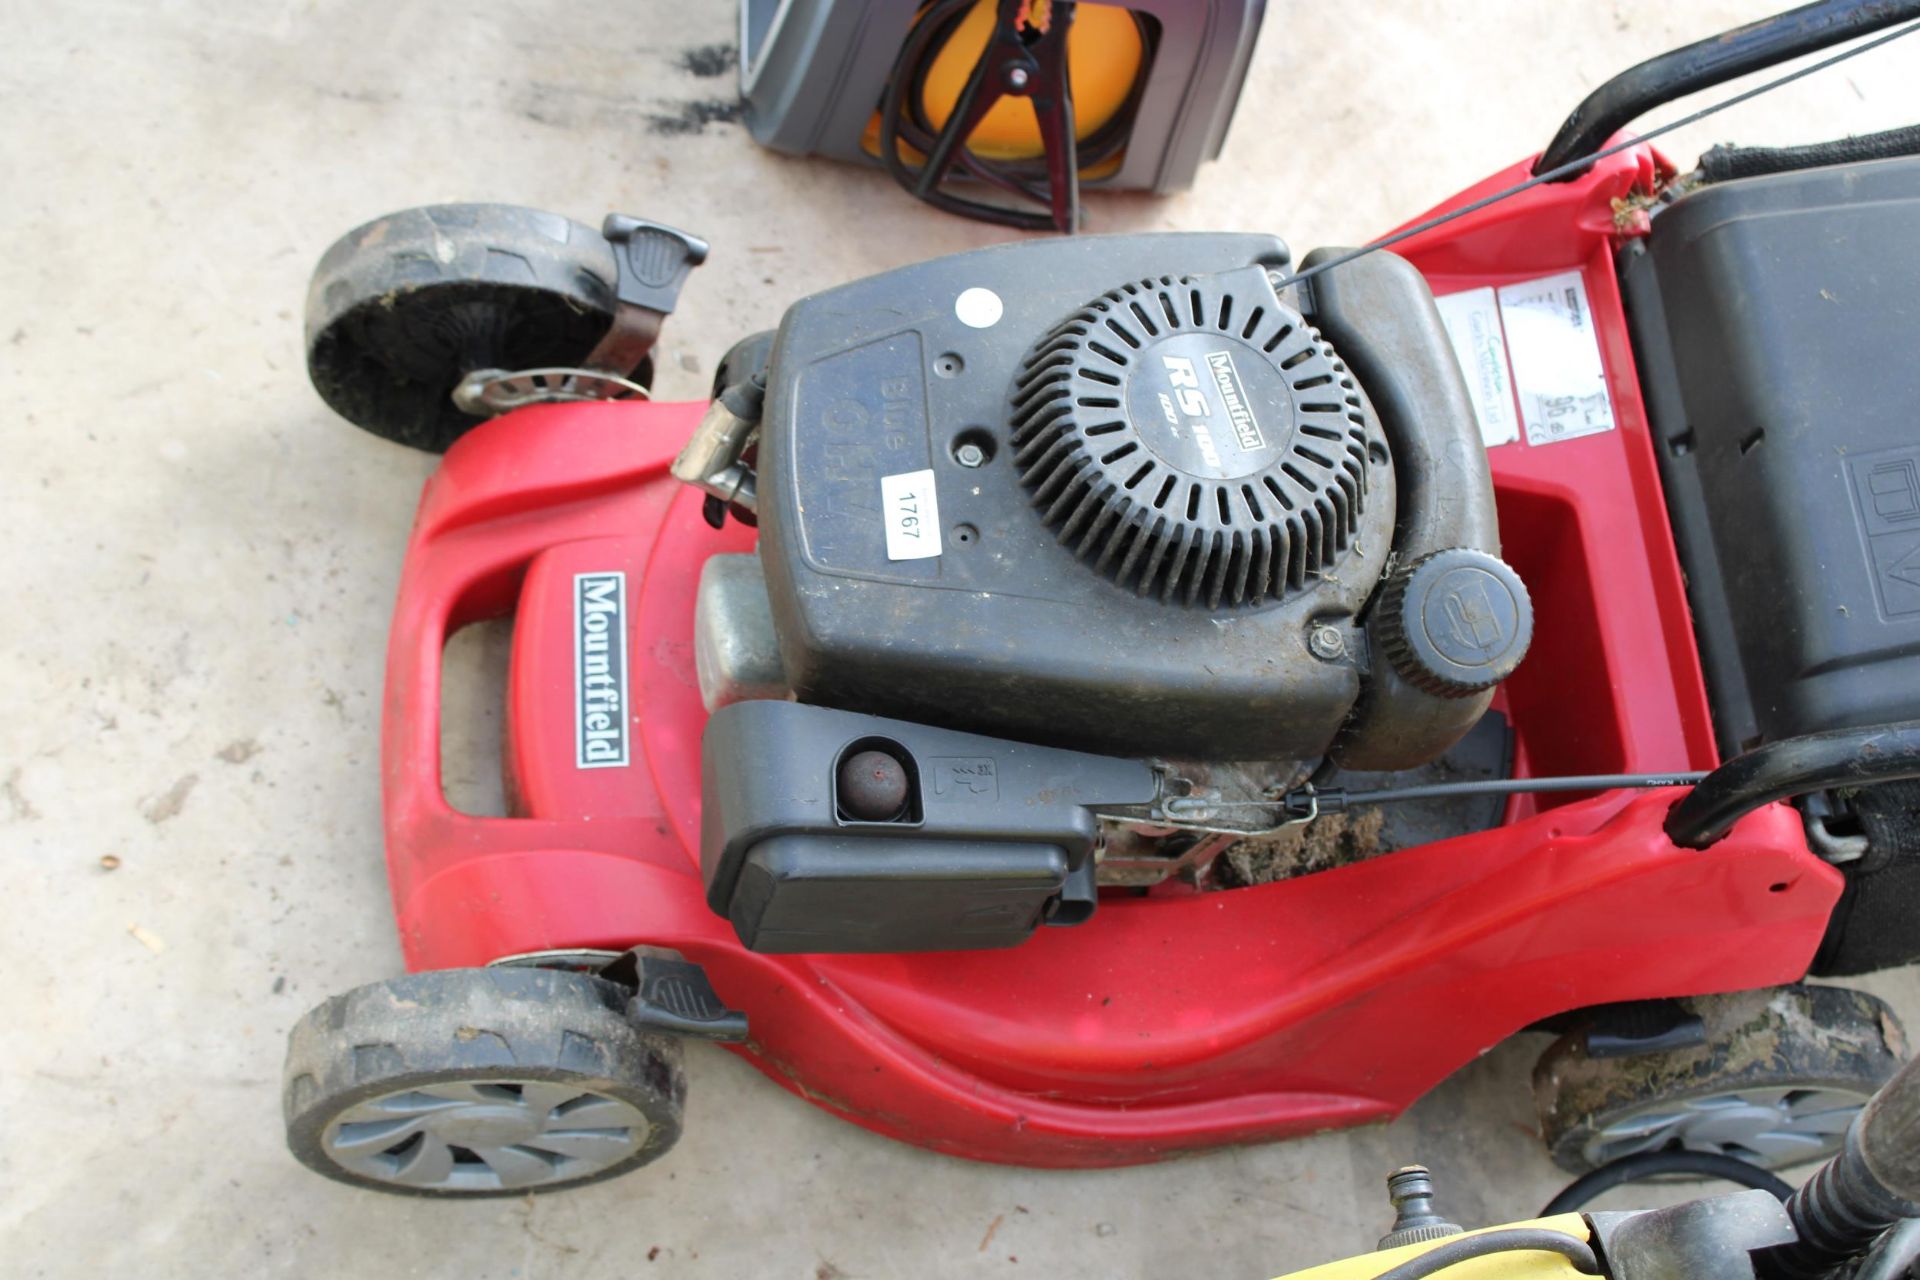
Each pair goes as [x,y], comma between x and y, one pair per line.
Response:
[1010,612]
[1113,493]
[1117,495]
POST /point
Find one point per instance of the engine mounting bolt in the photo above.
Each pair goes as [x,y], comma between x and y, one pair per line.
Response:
[1326,643]
[970,455]
[873,787]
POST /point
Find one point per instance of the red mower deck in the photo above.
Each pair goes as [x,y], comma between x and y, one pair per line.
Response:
[1177,1019]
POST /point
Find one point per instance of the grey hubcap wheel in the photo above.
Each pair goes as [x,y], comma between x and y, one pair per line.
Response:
[475,1135]
[1768,1127]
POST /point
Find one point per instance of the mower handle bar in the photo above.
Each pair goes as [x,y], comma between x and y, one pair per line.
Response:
[1793,767]
[1713,61]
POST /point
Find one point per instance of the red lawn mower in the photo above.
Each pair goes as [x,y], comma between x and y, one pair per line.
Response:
[1096,698]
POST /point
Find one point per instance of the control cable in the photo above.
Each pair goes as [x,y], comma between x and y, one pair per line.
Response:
[1575,166]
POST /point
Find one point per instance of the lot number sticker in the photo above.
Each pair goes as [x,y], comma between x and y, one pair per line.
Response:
[912,511]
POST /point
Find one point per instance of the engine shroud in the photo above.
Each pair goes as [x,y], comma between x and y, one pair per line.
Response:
[1196,439]
[1030,623]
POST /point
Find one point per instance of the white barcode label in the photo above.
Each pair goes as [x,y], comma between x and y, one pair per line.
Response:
[912,511]
[1556,358]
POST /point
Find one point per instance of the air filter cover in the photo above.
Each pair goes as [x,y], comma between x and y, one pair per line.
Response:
[1195,439]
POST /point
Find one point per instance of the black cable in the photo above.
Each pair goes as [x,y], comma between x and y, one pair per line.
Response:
[1094,150]
[1652,1164]
[930,29]
[903,120]
[1320,799]
[1584,162]
[1509,787]
[1511,1240]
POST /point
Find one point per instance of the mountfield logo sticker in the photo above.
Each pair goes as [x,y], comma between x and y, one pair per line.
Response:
[1233,394]
[600,670]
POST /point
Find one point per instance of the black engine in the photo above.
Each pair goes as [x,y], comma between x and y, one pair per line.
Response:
[1029,509]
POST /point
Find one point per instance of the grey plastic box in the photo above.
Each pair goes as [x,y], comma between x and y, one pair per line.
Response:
[812,73]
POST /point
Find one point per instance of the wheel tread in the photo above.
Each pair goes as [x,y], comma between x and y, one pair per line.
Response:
[384,296]
[465,1023]
[1757,1041]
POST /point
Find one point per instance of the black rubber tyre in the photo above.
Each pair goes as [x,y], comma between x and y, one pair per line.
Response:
[487,1082]
[1778,1079]
[401,309]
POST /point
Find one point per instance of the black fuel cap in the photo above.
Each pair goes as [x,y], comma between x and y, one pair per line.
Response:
[1455,623]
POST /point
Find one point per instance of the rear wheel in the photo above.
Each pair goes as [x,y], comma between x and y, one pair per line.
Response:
[1780,1077]
[403,308]
[478,1082]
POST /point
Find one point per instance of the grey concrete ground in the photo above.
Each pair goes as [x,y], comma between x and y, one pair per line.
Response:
[198,562]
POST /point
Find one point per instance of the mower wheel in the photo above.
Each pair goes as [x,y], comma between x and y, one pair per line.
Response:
[403,308]
[1782,1073]
[480,1082]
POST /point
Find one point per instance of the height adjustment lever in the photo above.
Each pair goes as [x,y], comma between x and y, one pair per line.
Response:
[654,261]
[675,997]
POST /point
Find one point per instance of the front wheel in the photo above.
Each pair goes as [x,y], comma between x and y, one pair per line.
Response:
[480,1082]
[401,310]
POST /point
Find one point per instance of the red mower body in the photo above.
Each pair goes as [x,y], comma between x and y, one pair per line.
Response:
[1176,1019]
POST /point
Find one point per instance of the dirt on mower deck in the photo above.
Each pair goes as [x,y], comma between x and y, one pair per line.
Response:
[1332,841]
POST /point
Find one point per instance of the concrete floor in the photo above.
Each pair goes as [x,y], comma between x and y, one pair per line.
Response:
[201,561]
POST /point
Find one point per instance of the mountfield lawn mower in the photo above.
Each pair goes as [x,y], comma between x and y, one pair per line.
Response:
[1092,699]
